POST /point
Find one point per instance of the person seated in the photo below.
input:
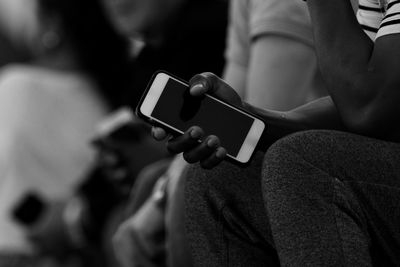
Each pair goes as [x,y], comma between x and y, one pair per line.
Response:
[326,191]
[269,46]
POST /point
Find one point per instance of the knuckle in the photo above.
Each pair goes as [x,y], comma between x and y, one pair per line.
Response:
[209,75]
[211,80]
[208,78]
[215,140]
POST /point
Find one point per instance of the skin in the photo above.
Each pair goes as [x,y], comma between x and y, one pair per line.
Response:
[363,88]
[362,76]
[279,73]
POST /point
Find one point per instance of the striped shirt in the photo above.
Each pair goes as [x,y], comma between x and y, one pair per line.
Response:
[379,17]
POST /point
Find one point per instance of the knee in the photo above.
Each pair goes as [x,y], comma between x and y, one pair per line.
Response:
[302,141]
[286,150]
[313,145]
[288,161]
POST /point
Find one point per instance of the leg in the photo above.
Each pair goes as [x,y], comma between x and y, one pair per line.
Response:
[332,199]
[226,223]
[177,247]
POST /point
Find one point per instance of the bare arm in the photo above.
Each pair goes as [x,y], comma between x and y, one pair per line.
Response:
[362,76]
[319,114]
[280,72]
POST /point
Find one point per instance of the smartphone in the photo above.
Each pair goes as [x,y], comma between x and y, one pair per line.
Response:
[167,103]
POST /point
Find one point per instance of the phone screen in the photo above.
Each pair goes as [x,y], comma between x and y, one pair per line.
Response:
[179,109]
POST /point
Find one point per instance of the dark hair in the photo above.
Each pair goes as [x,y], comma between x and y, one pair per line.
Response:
[101,51]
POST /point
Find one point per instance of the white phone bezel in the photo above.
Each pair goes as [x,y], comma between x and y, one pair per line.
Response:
[154,94]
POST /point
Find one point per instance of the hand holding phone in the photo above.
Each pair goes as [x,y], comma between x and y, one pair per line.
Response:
[194,112]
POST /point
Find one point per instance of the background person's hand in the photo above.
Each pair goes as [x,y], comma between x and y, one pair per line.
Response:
[209,152]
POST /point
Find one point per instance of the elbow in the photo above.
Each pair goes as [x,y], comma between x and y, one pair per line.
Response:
[373,112]
[372,121]
[360,122]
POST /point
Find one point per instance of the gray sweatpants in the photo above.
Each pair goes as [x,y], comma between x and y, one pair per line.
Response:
[317,198]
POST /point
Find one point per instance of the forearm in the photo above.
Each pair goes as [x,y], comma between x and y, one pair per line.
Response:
[361,75]
[319,114]
[344,52]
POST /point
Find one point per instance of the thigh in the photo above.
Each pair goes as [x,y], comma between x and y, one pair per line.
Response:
[359,176]
[225,219]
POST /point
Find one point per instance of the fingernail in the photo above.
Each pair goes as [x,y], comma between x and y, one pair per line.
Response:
[221,153]
[198,86]
[155,133]
[195,134]
[212,142]
[197,89]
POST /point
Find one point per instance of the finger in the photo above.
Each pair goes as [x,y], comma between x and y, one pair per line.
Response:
[214,159]
[158,133]
[203,83]
[203,150]
[185,142]
[210,83]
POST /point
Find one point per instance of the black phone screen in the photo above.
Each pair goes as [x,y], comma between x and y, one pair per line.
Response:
[177,108]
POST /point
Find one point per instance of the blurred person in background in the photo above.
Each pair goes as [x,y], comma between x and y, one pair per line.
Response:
[170,31]
[50,107]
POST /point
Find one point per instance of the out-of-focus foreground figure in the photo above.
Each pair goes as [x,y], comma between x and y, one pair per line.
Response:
[49,109]
[183,37]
